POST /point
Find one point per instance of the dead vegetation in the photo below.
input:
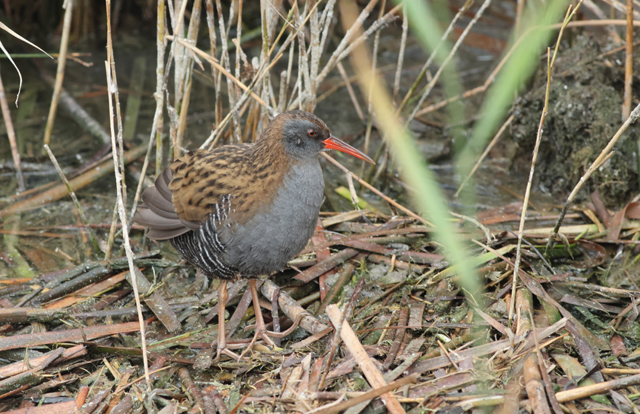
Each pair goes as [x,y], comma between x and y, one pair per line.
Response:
[381,319]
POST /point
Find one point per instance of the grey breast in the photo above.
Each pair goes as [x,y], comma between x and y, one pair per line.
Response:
[273,237]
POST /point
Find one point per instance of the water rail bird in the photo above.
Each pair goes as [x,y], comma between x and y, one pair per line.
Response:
[244,210]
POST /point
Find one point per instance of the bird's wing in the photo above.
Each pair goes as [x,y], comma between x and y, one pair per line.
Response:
[229,183]
[191,188]
[204,181]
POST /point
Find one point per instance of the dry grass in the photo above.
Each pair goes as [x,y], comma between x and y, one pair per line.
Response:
[394,313]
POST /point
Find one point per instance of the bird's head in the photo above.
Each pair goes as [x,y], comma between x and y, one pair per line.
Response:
[304,135]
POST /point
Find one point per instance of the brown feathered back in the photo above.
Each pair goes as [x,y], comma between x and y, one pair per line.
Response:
[194,185]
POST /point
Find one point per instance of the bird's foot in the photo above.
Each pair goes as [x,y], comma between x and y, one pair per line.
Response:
[229,353]
[222,349]
[262,332]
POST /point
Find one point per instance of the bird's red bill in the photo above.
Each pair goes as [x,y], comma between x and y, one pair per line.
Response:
[338,145]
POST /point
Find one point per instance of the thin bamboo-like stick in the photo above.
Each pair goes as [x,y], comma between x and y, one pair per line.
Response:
[353,30]
[327,17]
[429,61]
[551,60]
[315,52]
[350,91]
[484,154]
[192,37]
[72,193]
[120,188]
[403,44]
[376,191]
[160,86]
[597,388]
[179,56]
[370,114]
[266,11]
[6,115]
[282,93]
[303,74]
[446,61]
[216,75]
[369,369]
[116,100]
[62,60]
[239,52]
[123,219]
[290,66]
[628,64]
[224,62]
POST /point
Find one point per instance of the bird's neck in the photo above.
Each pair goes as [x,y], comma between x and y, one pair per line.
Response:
[268,151]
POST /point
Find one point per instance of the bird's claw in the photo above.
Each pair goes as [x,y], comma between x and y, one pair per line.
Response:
[227,352]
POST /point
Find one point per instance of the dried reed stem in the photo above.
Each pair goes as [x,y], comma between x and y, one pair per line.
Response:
[72,193]
[551,60]
[224,61]
[6,115]
[116,100]
[446,61]
[485,153]
[325,21]
[315,51]
[62,60]
[356,349]
[352,94]
[238,42]
[267,25]
[433,55]
[628,64]
[282,93]
[187,81]
[403,44]
[161,44]
[123,219]
[118,164]
[374,62]
[376,191]
[353,30]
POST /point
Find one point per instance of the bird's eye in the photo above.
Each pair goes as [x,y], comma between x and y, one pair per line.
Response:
[311,133]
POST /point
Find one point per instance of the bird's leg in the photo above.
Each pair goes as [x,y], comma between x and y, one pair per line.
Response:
[261,328]
[222,334]
[288,332]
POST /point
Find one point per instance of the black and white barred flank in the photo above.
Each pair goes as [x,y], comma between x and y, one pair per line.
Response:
[203,247]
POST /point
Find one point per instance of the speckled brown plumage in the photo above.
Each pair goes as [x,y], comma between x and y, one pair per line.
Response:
[189,190]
